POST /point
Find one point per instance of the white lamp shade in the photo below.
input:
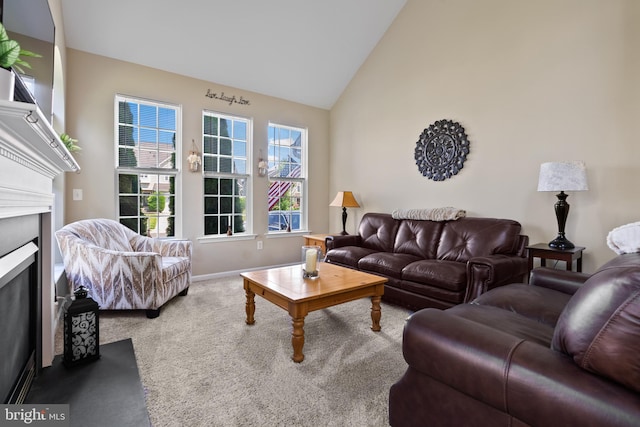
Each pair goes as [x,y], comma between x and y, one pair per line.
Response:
[563,176]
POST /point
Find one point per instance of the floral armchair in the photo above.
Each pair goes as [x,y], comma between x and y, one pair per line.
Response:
[121,269]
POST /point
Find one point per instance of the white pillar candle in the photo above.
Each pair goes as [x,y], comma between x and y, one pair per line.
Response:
[311,260]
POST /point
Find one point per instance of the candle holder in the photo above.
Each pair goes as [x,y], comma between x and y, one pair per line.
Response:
[311,256]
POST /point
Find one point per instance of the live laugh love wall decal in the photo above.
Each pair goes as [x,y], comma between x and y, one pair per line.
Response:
[230,99]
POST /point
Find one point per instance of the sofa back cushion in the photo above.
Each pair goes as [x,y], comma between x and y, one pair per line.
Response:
[470,237]
[600,326]
[378,231]
[104,233]
[419,238]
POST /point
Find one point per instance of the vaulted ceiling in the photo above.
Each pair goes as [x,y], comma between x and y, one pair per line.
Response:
[304,51]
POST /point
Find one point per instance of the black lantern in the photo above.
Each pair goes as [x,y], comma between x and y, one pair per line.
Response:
[81,330]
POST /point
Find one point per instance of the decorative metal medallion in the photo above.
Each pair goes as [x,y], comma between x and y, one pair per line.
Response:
[441,150]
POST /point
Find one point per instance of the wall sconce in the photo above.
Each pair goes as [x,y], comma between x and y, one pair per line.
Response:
[263,166]
[562,176]
[194,158]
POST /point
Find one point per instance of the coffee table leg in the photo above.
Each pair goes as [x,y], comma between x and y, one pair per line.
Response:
[250,306]
[375,313]
[297,339]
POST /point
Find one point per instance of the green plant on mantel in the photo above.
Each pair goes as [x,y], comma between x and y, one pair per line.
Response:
[11,54]
[69,142]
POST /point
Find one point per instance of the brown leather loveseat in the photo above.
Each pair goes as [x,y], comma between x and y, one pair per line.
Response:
[434,263]
[562,351]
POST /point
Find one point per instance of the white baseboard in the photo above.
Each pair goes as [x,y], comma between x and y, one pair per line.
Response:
[59,269]
[203,277]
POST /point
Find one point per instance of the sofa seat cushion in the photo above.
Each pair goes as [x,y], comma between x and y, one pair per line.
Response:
[506,321]
[534,302]
[349,255]
[386,263]
[433,292]
[451,275]
[174,266]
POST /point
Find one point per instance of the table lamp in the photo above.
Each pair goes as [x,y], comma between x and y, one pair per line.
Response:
[345,200]
[562,176]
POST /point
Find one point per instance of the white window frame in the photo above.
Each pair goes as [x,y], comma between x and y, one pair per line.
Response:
[176,171]
[247,176]
[302,179]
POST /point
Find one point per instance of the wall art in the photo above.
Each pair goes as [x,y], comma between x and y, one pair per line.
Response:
[441,150]
[229,99]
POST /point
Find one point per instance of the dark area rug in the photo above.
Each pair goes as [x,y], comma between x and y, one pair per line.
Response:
[105,392]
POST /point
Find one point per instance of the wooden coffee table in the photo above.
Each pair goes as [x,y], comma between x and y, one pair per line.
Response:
[285,287]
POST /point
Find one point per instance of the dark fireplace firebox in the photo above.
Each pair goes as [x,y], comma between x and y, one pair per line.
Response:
[20,306]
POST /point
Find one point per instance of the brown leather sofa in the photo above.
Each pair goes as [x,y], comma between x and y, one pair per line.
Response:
[562,351]
[434,263]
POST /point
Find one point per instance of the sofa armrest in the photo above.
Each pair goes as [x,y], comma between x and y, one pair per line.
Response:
[332,242]
[85,254]
[165,247]
[523,242]
[532,383]
[467,356]
[177,248]
[564,281]
[488,272]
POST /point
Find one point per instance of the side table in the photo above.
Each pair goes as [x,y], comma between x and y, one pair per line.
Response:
[316,240]
[545,252]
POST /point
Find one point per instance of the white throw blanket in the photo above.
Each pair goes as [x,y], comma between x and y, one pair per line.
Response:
[435,214]
[625,239]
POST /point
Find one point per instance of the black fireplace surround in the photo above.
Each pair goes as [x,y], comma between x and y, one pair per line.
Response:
[20,306]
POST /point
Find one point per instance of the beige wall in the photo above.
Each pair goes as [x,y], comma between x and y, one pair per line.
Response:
[92,83]
[530,81]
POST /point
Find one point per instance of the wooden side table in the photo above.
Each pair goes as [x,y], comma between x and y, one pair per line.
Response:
[545,252]
[316,240]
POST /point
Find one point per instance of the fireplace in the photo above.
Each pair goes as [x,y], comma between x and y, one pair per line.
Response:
[31,156]
[20,306]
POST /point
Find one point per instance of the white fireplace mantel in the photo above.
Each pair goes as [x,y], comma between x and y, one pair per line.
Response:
[31,156]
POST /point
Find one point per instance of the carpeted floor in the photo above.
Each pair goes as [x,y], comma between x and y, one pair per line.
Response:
[203,366]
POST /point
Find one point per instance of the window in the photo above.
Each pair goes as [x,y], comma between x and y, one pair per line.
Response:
[226,168]
[148,141]
[30,83]
[287,178]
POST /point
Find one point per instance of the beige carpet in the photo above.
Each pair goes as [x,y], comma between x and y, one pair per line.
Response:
[203,366]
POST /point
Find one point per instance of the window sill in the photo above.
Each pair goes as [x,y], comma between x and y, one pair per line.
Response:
[240,237]
[225,238]
[284,234]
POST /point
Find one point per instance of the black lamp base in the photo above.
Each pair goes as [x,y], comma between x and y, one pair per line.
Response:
[562,211]
[344,222]
[561,242]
